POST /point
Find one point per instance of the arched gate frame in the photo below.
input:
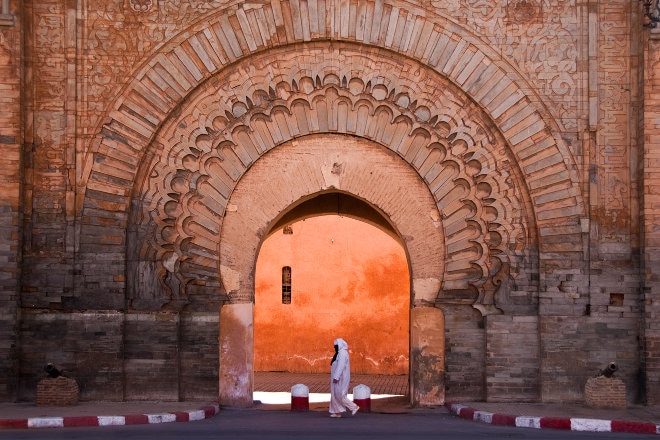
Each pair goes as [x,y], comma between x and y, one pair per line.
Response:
[491,176]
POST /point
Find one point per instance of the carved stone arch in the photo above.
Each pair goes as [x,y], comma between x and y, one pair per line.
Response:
[459,157]
[206,107]
[228,36]
[316,165]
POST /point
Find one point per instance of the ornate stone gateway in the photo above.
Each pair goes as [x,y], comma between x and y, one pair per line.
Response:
[461,142]
[460,202]
[154,145]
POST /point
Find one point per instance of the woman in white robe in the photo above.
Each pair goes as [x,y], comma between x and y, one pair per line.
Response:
[340,377]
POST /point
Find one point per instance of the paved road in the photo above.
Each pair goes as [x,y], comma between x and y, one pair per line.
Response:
[253,424]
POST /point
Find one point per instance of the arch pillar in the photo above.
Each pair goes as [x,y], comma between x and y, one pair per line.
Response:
[236,348]
[427,356]
[298,171]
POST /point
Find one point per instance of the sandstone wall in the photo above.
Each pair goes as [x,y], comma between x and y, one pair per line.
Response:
[11,175]
[118,356]
[104,235]
[650,168]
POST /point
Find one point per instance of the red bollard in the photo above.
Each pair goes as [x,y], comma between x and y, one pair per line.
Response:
[362,397]
[299,398]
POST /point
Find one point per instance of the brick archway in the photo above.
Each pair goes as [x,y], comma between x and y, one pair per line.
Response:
[435,44]
[198,118]
[199,156]
[291,174]
[204,149]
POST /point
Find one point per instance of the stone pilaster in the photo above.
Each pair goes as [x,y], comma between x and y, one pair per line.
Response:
[236,354]
[427,353]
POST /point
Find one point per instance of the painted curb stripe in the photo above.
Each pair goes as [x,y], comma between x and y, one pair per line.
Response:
[136,419]
[592,425]
[45,422]
[81,421]
[196,415]
[455,407]
[132,419]
[556,423]
[182,416]
[483,416]
[161,418]
[111,420]
[467,413]
[528,422]
[210,411]
[577,424]
[635,427]
[13,423]
[504,420]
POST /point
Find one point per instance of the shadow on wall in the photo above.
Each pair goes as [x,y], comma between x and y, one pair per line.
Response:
[349,280]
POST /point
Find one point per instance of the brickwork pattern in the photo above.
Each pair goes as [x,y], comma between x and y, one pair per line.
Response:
[88,346]
[11,139]
[520,118]
[177,350]
[511,373]
[651,197]
[464,354]
[59,391]
[525,129]
[605,392]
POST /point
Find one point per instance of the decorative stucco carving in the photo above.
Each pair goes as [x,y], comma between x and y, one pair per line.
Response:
[527,33]
[222,129]
[142,5]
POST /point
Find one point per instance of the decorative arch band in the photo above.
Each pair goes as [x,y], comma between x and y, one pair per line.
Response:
[510,176]
[230,122]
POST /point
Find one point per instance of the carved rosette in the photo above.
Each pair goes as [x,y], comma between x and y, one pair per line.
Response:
[141,5]
[524,11]
[231,122]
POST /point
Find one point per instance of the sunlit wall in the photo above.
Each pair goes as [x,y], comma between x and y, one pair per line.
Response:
[349,280]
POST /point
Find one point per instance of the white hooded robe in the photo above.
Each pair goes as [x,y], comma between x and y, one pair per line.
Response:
[340,370]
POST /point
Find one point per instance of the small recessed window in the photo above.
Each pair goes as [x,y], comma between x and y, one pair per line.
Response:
[286,285]
[6,19]
[616,299]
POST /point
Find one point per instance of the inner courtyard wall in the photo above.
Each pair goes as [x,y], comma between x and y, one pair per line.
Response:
[348,279]
[595,303]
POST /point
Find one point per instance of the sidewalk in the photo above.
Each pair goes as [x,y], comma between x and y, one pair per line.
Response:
[28,415]
[573,417]
[635,419]
[387,396]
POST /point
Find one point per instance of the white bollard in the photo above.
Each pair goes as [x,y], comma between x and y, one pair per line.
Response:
[299,398]
[362,397]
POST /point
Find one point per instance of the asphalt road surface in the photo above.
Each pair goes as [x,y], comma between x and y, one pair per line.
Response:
[285,425]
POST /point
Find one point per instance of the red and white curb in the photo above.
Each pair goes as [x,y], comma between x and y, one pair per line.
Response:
[134,419]
[569,424]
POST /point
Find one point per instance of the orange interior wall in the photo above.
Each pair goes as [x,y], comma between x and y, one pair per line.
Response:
[349,280]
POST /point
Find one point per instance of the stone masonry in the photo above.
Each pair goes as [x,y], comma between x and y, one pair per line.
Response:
[59,391]
[149,147]
[605,392]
